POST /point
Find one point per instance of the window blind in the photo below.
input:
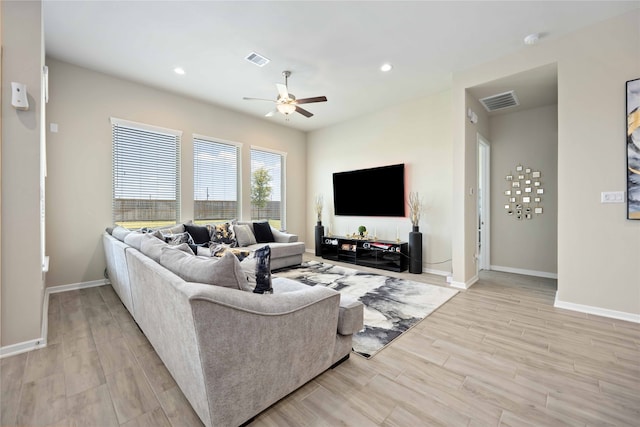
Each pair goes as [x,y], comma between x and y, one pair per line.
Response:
[272,163]
[146,174]
[215,180]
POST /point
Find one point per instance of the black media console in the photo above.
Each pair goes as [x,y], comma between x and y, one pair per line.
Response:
[387,255]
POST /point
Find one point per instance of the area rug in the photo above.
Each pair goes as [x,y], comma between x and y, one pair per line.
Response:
[392,306]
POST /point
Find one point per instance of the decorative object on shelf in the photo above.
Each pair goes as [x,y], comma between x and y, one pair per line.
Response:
[319,229]
[633,149]
[362,230]
[524,189]
[415,236]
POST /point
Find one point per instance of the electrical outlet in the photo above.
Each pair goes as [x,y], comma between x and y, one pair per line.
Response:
[612,197]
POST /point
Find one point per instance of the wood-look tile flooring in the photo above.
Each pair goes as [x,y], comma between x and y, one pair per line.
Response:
[496,354]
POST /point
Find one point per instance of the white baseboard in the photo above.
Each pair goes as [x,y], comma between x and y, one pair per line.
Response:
[23,347]
[524,272]
[598,311]
[465,285]
[74,286]
[436,272]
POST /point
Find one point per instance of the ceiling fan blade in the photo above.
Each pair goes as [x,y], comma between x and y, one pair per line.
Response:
[304,112]
[282,90]
[271,113]
[310,100]
[257,99]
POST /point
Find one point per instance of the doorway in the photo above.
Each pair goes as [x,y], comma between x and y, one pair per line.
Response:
[484,207]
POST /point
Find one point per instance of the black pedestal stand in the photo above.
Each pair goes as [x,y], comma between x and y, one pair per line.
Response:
[319,235]
[415,251]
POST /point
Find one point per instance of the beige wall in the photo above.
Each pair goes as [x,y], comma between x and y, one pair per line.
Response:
[79,158]
[416,133]
[529,138]
[22,281]
[598,248]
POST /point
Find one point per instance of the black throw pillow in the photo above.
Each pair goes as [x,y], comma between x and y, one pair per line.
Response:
[199,233]
[262,231]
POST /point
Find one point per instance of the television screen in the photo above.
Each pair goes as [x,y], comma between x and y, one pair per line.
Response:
[370,192]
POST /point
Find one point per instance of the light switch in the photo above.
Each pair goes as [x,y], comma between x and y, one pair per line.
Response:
[53,127]
[612,197]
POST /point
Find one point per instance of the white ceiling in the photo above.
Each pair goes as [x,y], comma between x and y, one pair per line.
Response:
[333,48]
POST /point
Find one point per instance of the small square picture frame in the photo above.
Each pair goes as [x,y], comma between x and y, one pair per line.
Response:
[537,210]
[515,184]
[527,182]
[519,168]
[507,206]
[512,199]
[527,170]
[537,199]
[527,216]
[527,190]
[509,178]
[507,192]
[518,192]
[535,174]
[526,199]
[536,184]
[540,191]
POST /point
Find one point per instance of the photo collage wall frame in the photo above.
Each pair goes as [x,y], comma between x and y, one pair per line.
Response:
[524,193]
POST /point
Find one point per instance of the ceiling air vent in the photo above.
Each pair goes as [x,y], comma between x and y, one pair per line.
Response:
[500,101]
[257,59]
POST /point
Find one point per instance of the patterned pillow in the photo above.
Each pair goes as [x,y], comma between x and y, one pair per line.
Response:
[178,238]
[257,269]
[222,233]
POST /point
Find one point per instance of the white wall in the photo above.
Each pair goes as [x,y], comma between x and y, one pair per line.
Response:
[22,281]
[416,133]
[530,138]
[598,258]
[79,156]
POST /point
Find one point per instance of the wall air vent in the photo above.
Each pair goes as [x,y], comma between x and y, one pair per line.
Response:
[500,101]
[257,59]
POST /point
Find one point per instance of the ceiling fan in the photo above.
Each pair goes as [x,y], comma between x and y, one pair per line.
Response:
[286,102]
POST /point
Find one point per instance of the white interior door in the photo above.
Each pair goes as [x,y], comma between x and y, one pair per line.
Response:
[484,205]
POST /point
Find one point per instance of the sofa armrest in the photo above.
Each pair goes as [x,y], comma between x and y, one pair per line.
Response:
[255,349]
[350,316]
[282,237]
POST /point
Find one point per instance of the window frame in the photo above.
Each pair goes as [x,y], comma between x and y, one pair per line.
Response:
[283,180]
[238,151]
[143,127]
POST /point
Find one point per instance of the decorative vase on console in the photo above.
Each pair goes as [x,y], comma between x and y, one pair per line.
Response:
[319,227]
[415,236]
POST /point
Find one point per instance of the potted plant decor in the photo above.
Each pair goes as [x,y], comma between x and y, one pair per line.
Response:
[361,230]
[318,205]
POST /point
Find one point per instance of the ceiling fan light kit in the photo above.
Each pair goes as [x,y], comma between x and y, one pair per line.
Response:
[286,102]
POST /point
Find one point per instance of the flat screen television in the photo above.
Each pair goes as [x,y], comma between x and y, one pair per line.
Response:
[370,192]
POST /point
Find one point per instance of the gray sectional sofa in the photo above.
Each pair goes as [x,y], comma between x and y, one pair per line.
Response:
[233,353]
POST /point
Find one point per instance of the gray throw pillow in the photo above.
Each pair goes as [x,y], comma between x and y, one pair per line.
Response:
[225,271]
[244,235]
[120,233]
[134,239]
[152,247]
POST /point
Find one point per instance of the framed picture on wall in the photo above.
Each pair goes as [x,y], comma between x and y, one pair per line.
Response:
[633,149]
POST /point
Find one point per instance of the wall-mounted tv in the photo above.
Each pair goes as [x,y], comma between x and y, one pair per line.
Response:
[370,192]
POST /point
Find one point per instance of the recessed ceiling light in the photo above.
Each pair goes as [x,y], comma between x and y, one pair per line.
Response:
[179,70]
[386,67]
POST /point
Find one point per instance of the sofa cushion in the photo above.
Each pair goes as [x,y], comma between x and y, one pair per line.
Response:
[257,269]
[172,229]
[262,231]
[281,250]
[222,233]
[225,271]
[200,233]
[244,235]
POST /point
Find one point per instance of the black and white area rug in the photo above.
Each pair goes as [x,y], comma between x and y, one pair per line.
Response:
[392,306]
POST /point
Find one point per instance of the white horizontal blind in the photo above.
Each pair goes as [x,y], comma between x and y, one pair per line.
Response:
[215,180]
[273,163]
[146,174]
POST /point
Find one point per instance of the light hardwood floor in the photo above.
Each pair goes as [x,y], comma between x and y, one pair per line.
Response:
[497,354]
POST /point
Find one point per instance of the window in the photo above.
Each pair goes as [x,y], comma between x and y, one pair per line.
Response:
[146,175]
[267,180]
[215,180]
